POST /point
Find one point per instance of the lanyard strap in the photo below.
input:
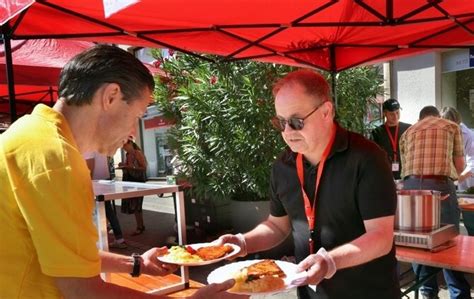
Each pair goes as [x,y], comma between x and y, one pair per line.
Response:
[393,141]
[311,211]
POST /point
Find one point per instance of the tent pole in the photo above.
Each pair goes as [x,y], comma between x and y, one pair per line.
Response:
[332,61]
[51,98]
[334,88]
[9,70]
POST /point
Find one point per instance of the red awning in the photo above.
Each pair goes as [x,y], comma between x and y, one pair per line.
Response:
[39,62]
[36,67]
[329,34]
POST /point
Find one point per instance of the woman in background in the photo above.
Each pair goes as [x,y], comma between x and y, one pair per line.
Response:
[465,180]
[134,170]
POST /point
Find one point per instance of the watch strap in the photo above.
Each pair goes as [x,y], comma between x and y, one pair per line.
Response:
[136,265]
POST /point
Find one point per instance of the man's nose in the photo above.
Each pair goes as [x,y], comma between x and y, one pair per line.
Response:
[287,125]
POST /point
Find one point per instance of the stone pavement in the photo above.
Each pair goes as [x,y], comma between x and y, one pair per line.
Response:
[160,231]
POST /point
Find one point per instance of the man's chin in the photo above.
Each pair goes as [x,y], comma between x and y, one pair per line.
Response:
[296,148]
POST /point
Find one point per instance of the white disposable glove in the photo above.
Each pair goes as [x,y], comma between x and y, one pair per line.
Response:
[329,261]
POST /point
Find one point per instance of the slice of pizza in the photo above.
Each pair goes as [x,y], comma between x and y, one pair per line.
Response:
[263,276]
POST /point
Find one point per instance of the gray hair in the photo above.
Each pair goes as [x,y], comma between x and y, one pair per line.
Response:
[83,75]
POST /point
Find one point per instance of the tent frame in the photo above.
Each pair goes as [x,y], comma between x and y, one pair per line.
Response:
[386,19]
[382,20]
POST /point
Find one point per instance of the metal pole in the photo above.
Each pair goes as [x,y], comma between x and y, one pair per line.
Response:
[334,88]
[9,70]
[51,96]
[333,67]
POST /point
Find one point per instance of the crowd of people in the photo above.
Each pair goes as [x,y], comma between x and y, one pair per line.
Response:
[432,153]
[331,188]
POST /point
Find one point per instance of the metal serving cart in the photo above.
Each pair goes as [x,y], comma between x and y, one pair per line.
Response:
[110,190]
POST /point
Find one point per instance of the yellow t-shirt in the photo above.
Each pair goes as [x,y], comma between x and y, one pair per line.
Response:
[46,207]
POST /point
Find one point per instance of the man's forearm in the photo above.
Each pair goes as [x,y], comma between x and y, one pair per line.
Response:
[459,164]
[115,263]
[369,246]
[266,235]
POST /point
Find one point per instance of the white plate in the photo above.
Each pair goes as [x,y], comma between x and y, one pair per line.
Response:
[166,259]
[227,271]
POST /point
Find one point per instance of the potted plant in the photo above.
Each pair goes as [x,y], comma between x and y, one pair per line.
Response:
[223,136]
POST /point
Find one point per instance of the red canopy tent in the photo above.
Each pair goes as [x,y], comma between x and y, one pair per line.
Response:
[37,64]
[327,34]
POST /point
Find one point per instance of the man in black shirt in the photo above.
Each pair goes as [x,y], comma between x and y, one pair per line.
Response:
[388,134]
[334,191]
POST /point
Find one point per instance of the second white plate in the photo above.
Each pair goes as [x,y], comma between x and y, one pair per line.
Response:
[227,271]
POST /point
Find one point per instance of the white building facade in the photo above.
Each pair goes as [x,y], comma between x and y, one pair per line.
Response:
[439,79]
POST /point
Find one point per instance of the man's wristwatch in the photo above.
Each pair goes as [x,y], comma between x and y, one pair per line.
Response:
[136,264]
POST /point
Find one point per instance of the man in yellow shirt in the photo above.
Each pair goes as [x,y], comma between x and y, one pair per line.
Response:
[48,245]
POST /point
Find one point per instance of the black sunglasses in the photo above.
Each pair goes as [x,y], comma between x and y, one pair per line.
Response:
[294,122]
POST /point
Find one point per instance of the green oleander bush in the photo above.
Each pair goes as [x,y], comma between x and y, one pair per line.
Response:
[223,136]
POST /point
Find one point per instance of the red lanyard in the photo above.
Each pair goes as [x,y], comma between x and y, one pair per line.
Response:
[393,141]
[311,211]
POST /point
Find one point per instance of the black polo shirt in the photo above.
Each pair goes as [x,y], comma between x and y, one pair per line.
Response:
[356,185]
[380,136]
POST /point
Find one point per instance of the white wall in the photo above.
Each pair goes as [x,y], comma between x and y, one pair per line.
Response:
[144,55]
[414,84]
[448,91]
[149,149]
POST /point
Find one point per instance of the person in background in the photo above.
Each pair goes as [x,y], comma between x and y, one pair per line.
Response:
[334,191]
[134,170]
[99,167]
[465,179]
[49,241]
[387,136]
[433,158]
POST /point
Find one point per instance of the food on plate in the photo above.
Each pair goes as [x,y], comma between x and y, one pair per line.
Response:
[261,277]
[213,252]
[187,254]
[182,254]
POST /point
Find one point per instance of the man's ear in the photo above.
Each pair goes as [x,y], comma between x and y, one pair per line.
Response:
[328,111]
[110,95]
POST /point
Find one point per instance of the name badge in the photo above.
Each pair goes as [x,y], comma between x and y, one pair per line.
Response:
[395,166]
